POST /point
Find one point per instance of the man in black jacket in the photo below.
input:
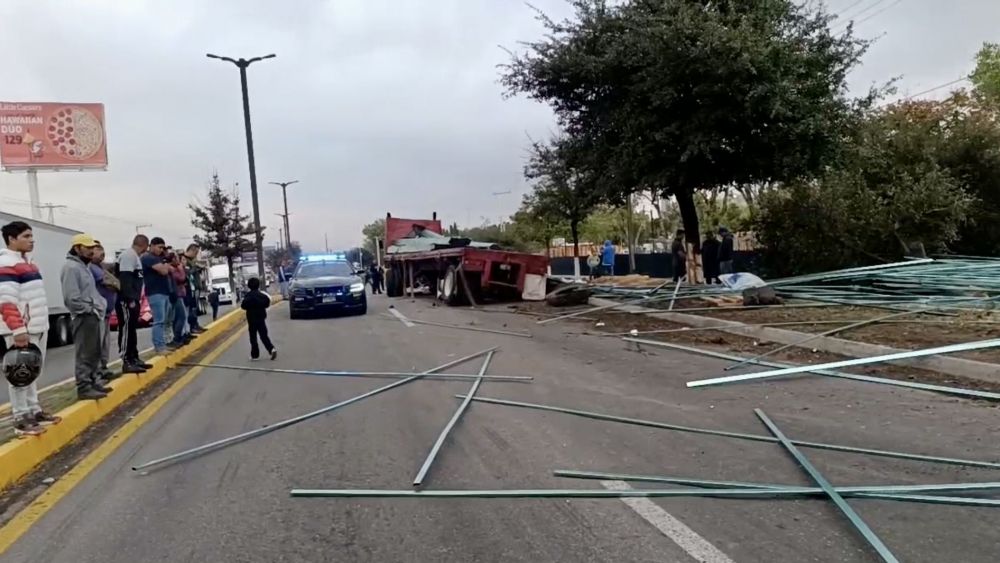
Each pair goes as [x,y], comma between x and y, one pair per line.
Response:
[255,303]
[129,271]
[726,251]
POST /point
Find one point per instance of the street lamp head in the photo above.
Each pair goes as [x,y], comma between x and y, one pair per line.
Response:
[255,59]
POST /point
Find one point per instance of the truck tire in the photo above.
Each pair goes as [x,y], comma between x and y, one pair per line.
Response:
[451,289]
[394,281]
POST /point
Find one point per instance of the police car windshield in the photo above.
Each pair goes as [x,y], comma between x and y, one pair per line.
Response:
[324,269]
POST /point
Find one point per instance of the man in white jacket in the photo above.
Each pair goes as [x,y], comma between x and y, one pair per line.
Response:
[24,320]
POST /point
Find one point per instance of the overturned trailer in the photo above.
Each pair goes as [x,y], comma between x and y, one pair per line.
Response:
[457,269]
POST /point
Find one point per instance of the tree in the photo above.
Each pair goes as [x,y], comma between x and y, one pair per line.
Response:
[374,231]
[564,191]
[685,95]
[895,188]
[225,232]
[276,256]
[986,76]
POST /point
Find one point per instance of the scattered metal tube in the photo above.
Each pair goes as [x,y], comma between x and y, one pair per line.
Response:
[472,328]
[285,423]
[377,374]
[674,298]
[426,467]
[838,500]
[538,493]
[737,435]
[949,349]
[884,492]
[812,337]
[970,393]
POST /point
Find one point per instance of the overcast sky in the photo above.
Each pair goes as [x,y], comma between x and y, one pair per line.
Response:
[373,105]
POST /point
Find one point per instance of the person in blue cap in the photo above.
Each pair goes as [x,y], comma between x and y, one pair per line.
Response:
[608,258]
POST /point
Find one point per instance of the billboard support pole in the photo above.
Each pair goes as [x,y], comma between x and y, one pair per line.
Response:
[36,200]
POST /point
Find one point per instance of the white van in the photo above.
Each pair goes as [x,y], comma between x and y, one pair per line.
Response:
[219,281]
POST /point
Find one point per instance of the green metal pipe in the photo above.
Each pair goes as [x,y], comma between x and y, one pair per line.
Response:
[886,492]
[737,435]
[375,374]
[539,493]
[949,349]
[877,544]
[969,393]
[426,467]
[212,446]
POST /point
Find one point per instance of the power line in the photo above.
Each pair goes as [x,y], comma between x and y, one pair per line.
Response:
[877,13]
[936,88]
[866,9]
[845,10]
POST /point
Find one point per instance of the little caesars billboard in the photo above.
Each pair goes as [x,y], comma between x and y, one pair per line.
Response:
[52,135]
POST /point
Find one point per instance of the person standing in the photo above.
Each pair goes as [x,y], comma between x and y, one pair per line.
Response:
[255,303]
[284,277]
[155,277]
[726,252]
[679,253]
[213,302]
[607,259]
[86,308]
[107,286]
[179,297]
[129,269]
[710,258]
[375,276]
[24,321]
[193,287]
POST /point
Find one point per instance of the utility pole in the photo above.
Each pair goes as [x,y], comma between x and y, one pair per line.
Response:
[51,208]
[281,240]
[242,64]
[326,243]
[284,195]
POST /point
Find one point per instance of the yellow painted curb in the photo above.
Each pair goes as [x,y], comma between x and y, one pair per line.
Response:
[25,519]
[19,456]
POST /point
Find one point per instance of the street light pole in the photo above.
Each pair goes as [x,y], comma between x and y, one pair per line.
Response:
[242,64]
[284,195]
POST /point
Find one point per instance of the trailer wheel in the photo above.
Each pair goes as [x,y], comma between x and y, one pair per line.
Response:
[451,289]
[394,281]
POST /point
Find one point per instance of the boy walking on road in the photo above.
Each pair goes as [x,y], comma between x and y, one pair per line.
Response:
[255,303]
[24,321]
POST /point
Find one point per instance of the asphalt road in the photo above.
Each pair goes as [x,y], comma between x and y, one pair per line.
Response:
[233,504]
[59,361]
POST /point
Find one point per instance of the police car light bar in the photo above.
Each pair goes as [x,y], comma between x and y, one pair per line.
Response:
[341,257]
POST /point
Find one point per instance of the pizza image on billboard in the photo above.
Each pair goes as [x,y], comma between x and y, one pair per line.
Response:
[52,135]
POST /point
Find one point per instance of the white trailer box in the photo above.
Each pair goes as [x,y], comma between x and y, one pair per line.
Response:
[51,245]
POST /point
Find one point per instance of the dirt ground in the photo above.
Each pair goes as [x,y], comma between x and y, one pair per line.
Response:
[929,332]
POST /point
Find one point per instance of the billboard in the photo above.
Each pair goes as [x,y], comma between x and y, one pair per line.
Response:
[52,135]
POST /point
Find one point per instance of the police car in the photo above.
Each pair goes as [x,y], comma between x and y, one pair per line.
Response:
[326,284]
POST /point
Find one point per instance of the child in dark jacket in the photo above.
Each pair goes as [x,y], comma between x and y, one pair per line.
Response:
[255,303]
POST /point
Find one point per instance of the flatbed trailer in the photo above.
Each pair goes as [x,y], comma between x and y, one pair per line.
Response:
[461,271]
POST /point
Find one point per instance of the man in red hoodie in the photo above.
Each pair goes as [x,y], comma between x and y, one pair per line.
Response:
[25,320]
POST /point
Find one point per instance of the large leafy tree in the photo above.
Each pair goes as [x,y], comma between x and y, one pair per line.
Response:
[565,191]
[986,76]
[373,232]
[684,95]
[225,231]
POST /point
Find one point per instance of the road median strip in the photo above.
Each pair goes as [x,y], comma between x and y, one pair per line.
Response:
[19,457]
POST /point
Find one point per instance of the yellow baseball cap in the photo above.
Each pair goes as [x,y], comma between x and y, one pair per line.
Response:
[83,240]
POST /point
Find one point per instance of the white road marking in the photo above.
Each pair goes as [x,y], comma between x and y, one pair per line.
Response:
[687,539]
[402,318]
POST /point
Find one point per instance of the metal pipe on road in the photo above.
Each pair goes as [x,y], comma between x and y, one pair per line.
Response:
[737,435]
[815,475]
[949,349]
[378,374]
[285,423]
[969,393]
[472,328]
[426,467]
[885,492]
